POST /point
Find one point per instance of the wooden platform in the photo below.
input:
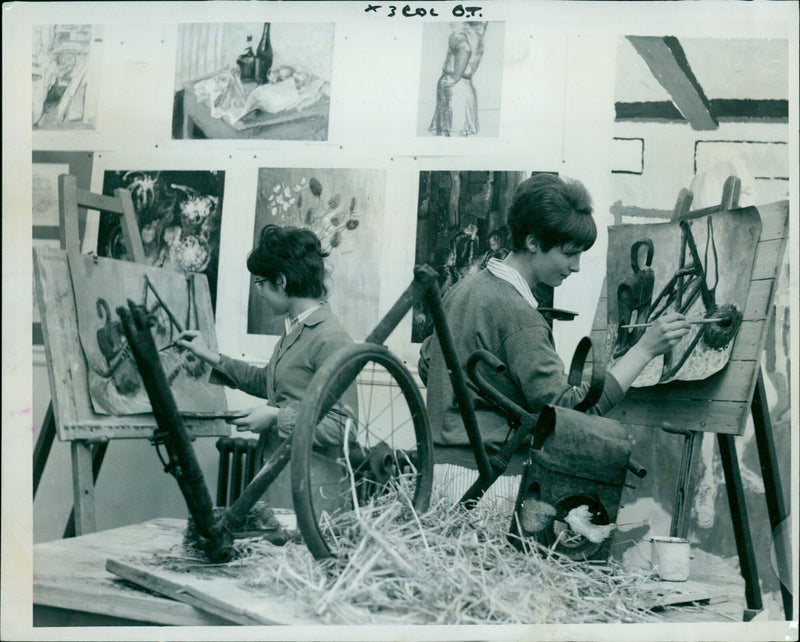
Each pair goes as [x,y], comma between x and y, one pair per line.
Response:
[116,573]
[714,592]
[70,574]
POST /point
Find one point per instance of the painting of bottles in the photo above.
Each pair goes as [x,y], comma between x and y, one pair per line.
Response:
[253,81]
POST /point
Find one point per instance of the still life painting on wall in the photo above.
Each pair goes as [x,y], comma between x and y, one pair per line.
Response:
[176,302]
[261,80]
[461,79]
[65,76]
[699,268]
[179,215]
[344,208]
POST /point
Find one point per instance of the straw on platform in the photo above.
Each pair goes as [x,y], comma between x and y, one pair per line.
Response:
[446,566]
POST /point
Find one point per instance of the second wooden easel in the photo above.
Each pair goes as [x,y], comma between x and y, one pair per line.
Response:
[70,415]
[722,403]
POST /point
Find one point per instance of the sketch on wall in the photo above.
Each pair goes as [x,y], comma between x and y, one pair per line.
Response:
[700,268]
[176,302]
[253,80]
[65,76]
[344,208]
[179,215]
[461,79]
[45,219]
[461,224]
[45,192]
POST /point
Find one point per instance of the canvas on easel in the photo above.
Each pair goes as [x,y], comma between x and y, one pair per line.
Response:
[71,415]
[175,302]
[721,402]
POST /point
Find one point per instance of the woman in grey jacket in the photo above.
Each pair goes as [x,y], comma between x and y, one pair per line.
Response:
[288,269]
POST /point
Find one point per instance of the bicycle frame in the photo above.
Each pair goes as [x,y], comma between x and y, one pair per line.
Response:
[217,535]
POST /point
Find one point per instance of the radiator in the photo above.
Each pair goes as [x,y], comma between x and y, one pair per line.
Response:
[237,467]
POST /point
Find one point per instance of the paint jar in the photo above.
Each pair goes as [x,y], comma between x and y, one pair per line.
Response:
[670,557]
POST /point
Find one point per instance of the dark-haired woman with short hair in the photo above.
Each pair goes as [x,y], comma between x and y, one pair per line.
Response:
[551,225]
[289,272]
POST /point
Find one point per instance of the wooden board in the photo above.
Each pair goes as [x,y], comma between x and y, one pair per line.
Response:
[69,387]
[219,592]
[720,403]
[213,589]
[71,574]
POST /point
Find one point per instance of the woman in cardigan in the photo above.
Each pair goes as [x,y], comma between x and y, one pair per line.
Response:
[288,269]
[551,226]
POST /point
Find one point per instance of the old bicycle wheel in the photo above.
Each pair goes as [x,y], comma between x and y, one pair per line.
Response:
[384,423]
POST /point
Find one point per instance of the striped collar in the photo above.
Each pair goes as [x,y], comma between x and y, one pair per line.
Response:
[512,277]
[291,324]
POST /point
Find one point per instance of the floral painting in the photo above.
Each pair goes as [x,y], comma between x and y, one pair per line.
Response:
[179,215]
[344,208]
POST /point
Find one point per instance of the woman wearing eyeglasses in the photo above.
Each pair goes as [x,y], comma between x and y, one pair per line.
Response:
[288,269]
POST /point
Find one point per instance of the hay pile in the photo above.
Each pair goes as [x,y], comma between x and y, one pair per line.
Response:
[447,566]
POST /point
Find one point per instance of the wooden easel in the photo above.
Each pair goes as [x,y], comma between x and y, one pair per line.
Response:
[722,403]
[70,414]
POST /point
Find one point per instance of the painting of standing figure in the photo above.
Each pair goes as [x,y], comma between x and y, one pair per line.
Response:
[253,80]
[699,268]
[179,214]
[464,96]
[344,208]
[65,76]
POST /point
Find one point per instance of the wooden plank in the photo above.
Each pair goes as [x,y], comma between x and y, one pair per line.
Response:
[764,263]
[705,415]
[67,370]
[94,201]
[774,220]
[215,589]
[82,487]
[759,300]
[668,63]
[71,574]
[68,233]
[130,226]
[730,384]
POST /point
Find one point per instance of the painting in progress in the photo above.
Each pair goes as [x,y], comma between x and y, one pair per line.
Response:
[65,76]
[175,301]
[179,214]
[260,80]
[461,79]
[699,268]
[344,208]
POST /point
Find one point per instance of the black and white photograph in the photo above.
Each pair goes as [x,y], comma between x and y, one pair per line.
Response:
[262,81]
[66,74]
[461,79]
[358,321]
[343,208]
[178,215]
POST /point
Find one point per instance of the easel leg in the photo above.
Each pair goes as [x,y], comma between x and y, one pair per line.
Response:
[741,524]
[98,453]
[776,508]
[679,527]
[83,487]
[43,445]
